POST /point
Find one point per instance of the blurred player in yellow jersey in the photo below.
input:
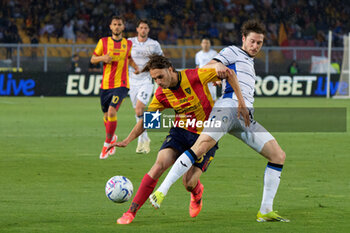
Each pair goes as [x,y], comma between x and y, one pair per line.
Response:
[115,53]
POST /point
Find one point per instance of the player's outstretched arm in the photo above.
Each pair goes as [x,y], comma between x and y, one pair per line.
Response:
[135,132]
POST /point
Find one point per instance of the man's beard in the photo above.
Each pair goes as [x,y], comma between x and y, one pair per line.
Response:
[117,33]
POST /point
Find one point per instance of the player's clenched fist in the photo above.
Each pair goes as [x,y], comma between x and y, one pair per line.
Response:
[221,70]
[107,58]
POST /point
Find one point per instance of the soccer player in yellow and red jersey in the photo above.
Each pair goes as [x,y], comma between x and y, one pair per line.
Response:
[114,51]
[187,93]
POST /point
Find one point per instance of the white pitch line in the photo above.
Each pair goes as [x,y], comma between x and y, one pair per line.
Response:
[6,102]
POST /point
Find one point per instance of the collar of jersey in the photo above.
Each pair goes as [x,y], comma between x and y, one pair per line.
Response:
[117,40]
[246,53]
[179,78]
[141,43]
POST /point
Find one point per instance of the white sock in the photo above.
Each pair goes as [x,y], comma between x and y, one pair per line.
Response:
[271,183]
[144,136]
[140,139]
[180,167]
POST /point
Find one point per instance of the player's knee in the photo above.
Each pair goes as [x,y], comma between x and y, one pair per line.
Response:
[280,157]
[112,114]
[203,145]
[157,169]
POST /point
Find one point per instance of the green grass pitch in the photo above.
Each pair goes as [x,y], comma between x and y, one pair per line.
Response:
[52,180]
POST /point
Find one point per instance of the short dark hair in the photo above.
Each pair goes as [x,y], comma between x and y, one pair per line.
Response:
[142,21]
[206,38]
[157,62]
[115,17]
[253,25]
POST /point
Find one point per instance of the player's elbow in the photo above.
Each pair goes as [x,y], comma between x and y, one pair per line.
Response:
[93,60]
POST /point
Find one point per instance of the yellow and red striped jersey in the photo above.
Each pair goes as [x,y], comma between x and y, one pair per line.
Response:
[115,74]
[191,100]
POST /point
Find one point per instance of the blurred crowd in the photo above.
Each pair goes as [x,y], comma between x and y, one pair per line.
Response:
[176,19]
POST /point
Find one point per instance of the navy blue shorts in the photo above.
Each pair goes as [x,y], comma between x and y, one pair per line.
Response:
[112,97]
[182,140]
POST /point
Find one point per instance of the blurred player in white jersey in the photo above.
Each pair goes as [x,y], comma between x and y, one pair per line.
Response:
[203,57]
[241,60]
[141,86]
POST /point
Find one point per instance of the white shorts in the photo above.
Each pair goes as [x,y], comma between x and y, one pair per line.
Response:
[225,110]
[212,90]
[142,93]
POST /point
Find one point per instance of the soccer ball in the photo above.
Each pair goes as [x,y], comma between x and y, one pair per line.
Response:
[119,189]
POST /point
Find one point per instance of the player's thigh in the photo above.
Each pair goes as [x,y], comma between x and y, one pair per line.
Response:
[105,99]
[223,112]
[144,93]
[203,144]
[118,96]
[133,95]
[255,136]
[165,158]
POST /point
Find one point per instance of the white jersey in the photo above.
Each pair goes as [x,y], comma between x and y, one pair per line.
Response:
[237,59]
[202,58]
[139,53]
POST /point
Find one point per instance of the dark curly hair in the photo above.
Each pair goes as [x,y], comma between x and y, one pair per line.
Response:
[157,62]
[253,25]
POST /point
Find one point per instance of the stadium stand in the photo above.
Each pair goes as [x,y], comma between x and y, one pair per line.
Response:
[173,21]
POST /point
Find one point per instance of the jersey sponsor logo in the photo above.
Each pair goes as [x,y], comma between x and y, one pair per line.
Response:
[117,50]
[184,100]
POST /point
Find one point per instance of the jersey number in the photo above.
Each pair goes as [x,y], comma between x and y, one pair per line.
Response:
[143,95]
[115,99]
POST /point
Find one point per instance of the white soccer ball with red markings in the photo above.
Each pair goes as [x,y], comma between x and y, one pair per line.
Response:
[119,189]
